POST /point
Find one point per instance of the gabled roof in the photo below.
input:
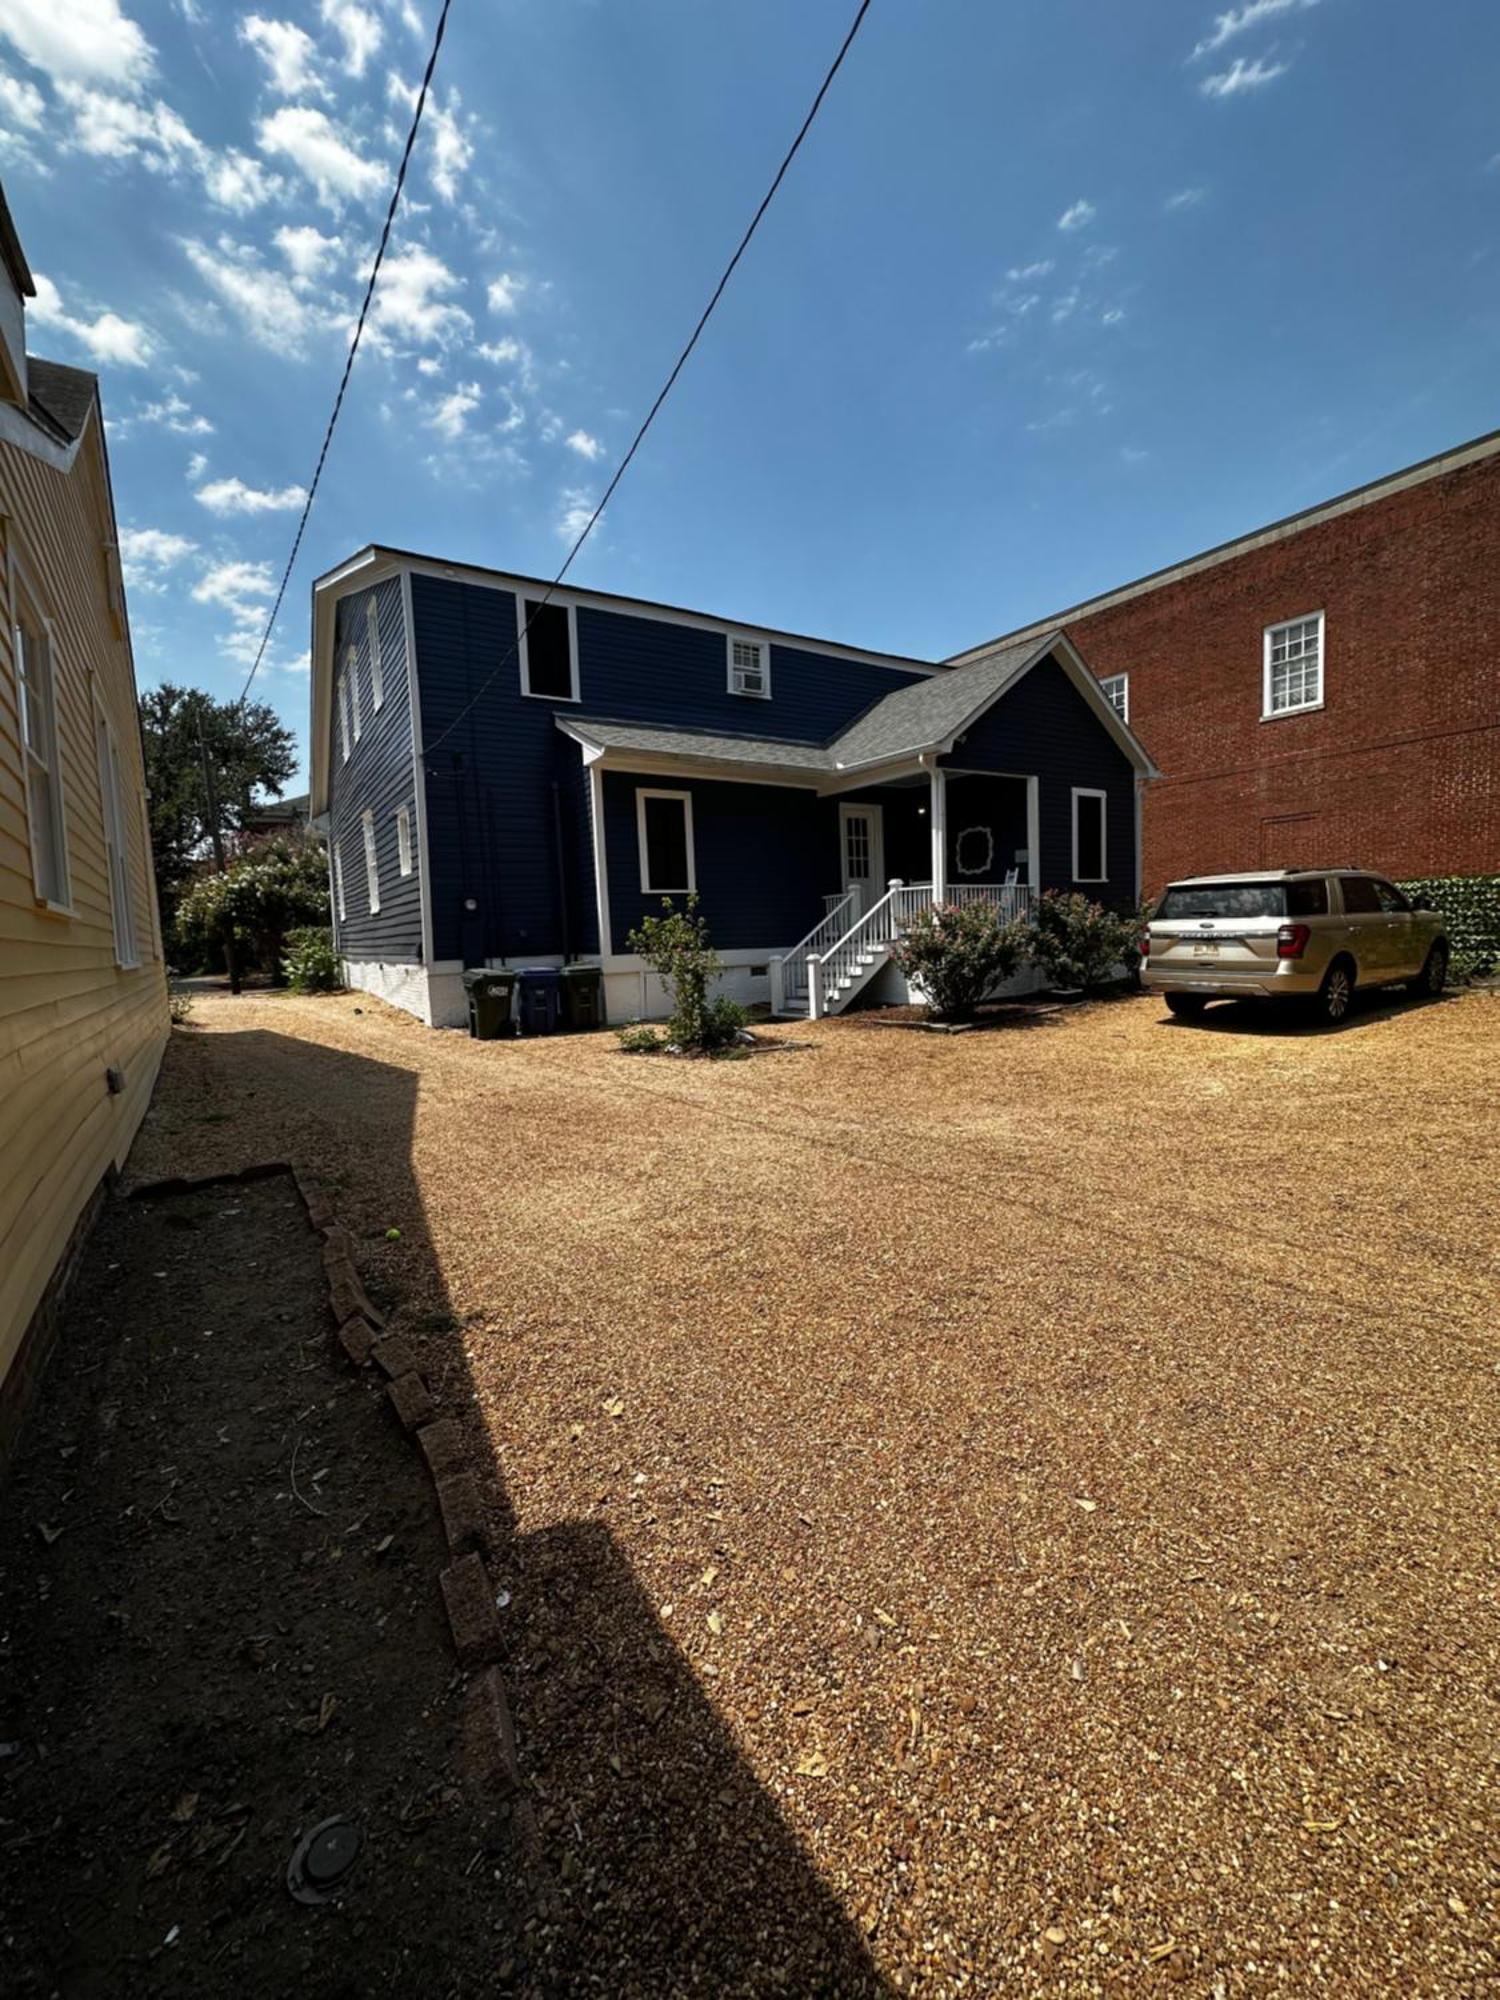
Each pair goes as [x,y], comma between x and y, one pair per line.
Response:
[930,713]
[60,397]
[11,252]
[703,746]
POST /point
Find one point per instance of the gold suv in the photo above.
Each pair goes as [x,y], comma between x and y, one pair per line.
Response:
[1311,934]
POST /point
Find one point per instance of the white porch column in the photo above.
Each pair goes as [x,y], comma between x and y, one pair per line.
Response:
[938,813]
[814,987]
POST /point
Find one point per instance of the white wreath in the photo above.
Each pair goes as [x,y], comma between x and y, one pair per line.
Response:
[983,868]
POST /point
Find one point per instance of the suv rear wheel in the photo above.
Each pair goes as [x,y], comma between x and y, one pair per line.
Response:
[1336,994]
[1187,1006]
[1434,972]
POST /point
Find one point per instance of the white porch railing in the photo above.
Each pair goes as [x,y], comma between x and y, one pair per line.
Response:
[835,972]
[1011,899]
[789,974]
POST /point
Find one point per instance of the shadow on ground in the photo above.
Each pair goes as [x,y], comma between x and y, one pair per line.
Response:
[180,1641]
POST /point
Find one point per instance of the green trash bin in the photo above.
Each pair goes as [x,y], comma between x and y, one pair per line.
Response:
[491,996]
[583,996]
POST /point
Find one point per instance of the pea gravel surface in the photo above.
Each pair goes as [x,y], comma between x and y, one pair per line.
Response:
[1003,1513]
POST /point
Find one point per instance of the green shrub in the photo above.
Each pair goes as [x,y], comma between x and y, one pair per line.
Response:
[677,948]
[1078,943]
[957,953]
[724,1021]
[1470,905]
[637,1039]
[311,964]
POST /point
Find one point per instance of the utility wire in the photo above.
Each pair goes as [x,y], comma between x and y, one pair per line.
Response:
[667,386]
[338,401]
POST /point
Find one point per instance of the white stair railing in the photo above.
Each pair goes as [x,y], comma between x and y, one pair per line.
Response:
[793,975]
[833,974]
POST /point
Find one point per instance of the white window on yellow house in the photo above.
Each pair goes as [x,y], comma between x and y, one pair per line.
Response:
[116,853]
[377,664]
[44,789]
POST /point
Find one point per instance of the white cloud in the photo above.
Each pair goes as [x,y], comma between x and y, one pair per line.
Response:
[83,41]
[108,338]
[197,465]
[412,302]
[240,588]
[235,181]
[501,351]
[1239,20]
[577,507]
[308,251]
[21,103]
[357,27]
[1079,216]
[1184,198]
[1064,306]
[145,553]
[289,54]
[443,134]
[1113,316]
[171,413]
[585,446]
[233,496]
[1024,273]
[264,301]
[111,127]
[310,140]
[451,417]
[1242,76]
[505,292]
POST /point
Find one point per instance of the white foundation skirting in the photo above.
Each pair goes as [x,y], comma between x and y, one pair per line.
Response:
[434,994]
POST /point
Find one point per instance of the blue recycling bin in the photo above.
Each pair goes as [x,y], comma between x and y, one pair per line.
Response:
[539,991]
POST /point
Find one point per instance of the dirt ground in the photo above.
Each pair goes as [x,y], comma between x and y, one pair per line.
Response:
[1001,1513]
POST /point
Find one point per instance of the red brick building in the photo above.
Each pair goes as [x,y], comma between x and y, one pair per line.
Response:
[1324,690]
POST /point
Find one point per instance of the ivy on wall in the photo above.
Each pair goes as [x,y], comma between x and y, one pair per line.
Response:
[1471,906]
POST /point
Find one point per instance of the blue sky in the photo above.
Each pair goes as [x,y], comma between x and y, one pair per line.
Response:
[1057,292]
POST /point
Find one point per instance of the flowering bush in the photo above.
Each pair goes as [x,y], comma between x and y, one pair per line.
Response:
[1078,943]
[273,889]
[957,953]
[311,964]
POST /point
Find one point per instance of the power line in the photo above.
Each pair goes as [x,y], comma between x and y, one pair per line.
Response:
[667,386]
[338,401]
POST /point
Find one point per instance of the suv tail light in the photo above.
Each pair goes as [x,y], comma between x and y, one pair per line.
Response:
[1291,940]
[1145,944]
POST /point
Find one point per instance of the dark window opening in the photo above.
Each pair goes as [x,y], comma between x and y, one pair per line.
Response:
[1090,860]
[549,651]
[1246,899]
[1361,897]
[666,839]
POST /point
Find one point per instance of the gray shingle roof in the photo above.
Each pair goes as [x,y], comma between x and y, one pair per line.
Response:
[702,746]
[927,712]
[60,397]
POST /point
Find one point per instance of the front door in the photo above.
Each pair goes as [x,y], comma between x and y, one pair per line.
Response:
[862,847]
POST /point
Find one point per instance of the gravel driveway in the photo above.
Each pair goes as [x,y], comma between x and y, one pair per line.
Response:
[1006,1512]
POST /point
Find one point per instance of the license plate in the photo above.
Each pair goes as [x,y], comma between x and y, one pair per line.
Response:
[1205,948]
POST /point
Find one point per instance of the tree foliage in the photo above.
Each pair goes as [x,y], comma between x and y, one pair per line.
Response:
[278,886]
[957,953]
[676,946]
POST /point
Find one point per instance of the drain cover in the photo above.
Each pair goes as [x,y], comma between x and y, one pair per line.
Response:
[322,1860]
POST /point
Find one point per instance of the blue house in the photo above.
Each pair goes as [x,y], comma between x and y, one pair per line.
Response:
[506,797]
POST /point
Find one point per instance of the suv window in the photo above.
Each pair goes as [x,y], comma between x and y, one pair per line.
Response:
[1307,899]
[1391,900]
[1360,897]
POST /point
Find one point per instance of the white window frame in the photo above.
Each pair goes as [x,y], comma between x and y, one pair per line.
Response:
[338,883]
[372,861]
[46,757]
[648,887]
[1267,712]
[763,653]
[1092,792]
[403,840]
[377,661]
[344,717]
[523,646]
[1108,684]
[116,846]
[351,675]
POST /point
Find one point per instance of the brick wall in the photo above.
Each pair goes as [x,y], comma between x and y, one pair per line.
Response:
[1400,769]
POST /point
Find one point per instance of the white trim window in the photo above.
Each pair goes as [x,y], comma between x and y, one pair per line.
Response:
[548,647]
[351,677]
[116,853]
[1116,689]
[403,840]
[1090,834]
[749,666]
[372,863]
[344,716]
[664,828]
[338,883]
[377,662]
[1293,667]
[37,687]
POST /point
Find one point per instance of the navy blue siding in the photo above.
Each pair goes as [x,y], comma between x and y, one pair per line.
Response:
[755,851]
[492,822]
[1045,726]
[377,778]
[998,804]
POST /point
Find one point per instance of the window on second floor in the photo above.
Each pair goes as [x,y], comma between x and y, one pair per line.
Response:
[44,791]
[377,664]
[1117,693]
[344,716]
[1293,666]
[403,840]
[351,681]
[549,657]
[749,667]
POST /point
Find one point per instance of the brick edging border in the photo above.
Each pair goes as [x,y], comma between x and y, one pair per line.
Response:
[487,1742]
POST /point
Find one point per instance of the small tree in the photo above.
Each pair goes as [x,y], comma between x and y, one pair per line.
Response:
[957,953]
[1078,943]
[677,948]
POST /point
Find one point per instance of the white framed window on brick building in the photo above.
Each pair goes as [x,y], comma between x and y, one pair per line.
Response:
[37,687]
[377,663]
[1117,693]
[116,852]
[372,862]
[749,666]
[403,840]
[1293,666]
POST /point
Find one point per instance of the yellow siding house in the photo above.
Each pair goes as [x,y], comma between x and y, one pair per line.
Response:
[83,998]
